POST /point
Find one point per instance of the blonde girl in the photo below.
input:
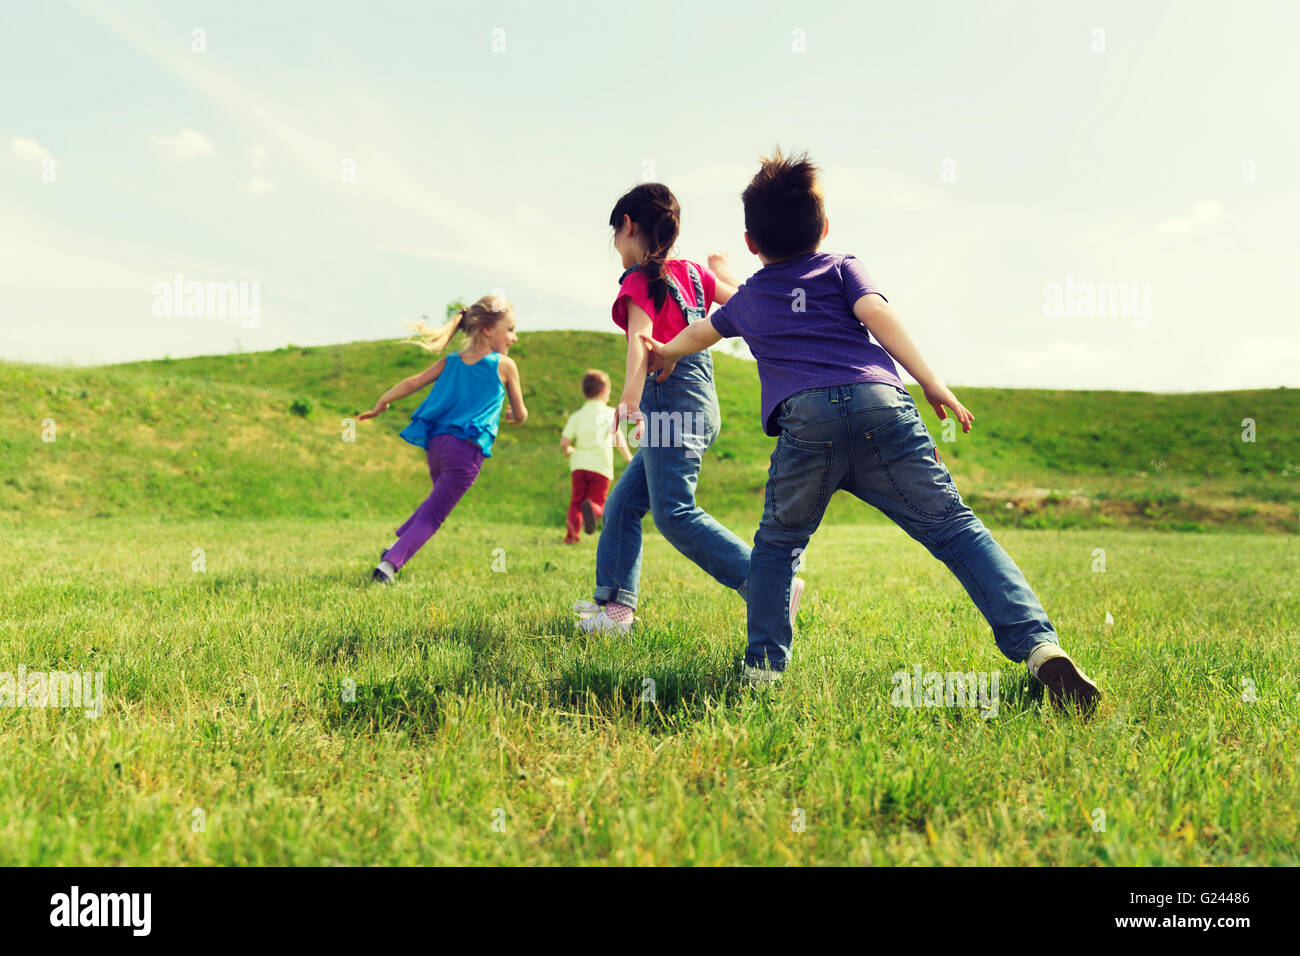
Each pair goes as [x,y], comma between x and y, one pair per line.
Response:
[457,421]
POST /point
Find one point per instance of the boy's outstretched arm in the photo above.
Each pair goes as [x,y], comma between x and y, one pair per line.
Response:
[696,337]
[880,319]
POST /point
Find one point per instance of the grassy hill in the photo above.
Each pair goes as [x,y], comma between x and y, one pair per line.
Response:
[261,434]
[228,679]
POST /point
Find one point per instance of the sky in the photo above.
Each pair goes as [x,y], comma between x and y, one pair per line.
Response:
[1083,195]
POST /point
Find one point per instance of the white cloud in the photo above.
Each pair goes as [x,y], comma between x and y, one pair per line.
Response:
[29,150]
[184,145]
[1203,215]
[726,178]
[432,254]
[59,274]
[1058,364]
[1271,360]
[258,185]
[967,276]
[390,182]
[876,189]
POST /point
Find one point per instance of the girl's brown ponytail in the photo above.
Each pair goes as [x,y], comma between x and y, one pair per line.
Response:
[654,209]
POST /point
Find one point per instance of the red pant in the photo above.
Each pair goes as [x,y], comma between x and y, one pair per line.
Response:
[587,486]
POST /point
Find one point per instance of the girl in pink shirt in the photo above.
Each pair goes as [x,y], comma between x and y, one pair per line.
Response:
[676,420]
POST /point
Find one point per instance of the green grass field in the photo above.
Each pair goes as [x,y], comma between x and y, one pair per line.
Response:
[205,548]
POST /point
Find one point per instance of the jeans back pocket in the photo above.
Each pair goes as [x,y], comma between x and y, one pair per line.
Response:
[798,481]
[909,462]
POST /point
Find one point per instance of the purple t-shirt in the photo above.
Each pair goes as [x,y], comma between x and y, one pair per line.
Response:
[797,318]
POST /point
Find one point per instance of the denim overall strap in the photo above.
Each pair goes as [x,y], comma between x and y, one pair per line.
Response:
[691,313]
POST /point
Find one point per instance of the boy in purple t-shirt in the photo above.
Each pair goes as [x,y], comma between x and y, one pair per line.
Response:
[823,336]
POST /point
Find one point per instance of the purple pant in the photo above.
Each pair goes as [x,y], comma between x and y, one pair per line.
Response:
[453,465]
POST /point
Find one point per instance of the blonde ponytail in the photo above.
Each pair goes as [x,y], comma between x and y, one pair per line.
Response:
[479,317]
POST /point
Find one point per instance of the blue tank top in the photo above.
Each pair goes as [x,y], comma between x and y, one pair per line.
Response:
[465,401]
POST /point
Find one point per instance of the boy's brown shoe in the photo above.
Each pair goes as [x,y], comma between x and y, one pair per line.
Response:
[1065,680]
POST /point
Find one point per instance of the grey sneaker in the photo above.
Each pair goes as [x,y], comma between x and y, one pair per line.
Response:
[602,623]
[1065,680]
[586,609]
[752,676]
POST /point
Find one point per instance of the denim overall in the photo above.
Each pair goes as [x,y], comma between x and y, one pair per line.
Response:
[682,422]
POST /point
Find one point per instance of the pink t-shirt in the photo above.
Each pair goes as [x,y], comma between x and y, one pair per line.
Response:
[667,321]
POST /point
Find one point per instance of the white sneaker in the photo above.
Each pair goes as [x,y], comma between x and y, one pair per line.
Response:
[1065,680]
[602,623]
[753,676]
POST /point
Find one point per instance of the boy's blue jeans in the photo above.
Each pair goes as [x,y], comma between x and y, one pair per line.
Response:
[682,420]
[868,439]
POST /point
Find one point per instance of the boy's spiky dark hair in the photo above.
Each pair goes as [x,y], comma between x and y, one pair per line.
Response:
[784,209]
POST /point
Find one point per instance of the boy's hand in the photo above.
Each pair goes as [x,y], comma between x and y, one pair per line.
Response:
[940,395]
[568,451]
[661,358]
[721,269]
[510,413]
[628,412]
[373,413]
